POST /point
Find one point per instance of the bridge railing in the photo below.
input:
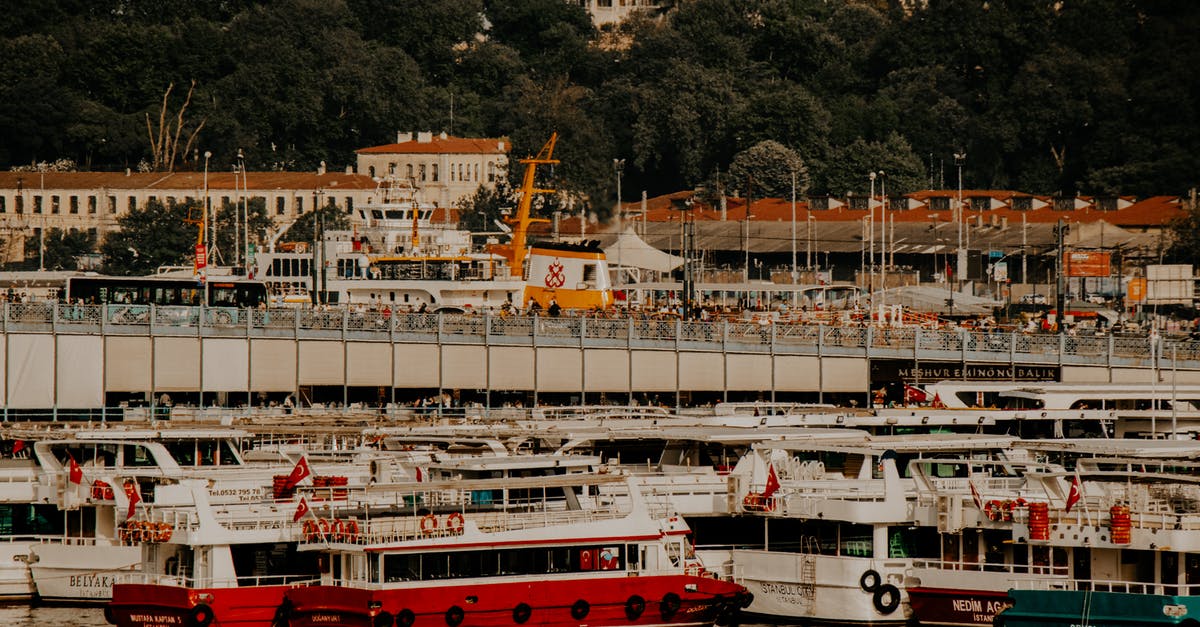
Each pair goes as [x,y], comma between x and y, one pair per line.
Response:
[749,336]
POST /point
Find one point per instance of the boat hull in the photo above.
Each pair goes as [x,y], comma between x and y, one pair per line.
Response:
[153,605]
[1066,608]
[67,573]
[622,600]
[949,607]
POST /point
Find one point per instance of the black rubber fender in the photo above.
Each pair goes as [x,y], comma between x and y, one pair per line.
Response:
[745,599]
[669,605]
[405,618]
[580,609]
[887,598]
[109,616]
[201,615]
[521,613]
[635,606]
[382,619]
[870,581]
[283,614]
[455,616]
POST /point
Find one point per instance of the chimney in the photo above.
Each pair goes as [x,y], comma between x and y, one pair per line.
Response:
[1004,222]
[349,169]
[443,135]
[995,220]
[403,138]
[424,137]
[321,168]
[128,172]
[500,146]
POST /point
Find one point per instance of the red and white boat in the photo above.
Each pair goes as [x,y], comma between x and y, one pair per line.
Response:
[539,550]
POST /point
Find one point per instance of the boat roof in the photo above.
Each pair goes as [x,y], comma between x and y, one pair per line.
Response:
[160,434]
[907,443]
[1125,447]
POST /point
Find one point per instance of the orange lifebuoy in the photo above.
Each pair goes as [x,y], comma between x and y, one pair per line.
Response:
[165,531]
[454,522]
[310,530]
[351,530]
[339,530]
[429,524]
[994,510]
[323,527]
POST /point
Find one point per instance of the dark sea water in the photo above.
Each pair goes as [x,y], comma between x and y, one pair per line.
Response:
[26,616]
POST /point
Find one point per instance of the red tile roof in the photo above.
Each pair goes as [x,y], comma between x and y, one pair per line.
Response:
[439,145]
[328,182]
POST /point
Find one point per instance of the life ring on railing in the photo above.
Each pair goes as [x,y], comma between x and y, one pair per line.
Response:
[994,510]
[323,527]
[454,523]
[755,502]
[429,524]
[165,531]
[338,530]
[350,529]
[123,533]
[1007,512]
[310,530]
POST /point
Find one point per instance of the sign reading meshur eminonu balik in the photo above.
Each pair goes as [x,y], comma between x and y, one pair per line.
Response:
[909,372]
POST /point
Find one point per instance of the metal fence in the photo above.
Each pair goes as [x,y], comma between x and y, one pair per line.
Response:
[787,338]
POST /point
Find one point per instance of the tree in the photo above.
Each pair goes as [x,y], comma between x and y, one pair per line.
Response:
[1184,235]
[230,243]
[480,211]
[58,250]
[150,236]
[303,229]
[769,166]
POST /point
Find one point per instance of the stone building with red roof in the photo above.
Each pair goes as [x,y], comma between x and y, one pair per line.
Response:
[445,168]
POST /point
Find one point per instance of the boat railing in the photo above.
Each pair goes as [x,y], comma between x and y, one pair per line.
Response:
[182,581]
[398,529]
[1106,585]
[1034,571]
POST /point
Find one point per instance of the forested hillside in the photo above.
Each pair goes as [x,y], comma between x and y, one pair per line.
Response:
[1070,96]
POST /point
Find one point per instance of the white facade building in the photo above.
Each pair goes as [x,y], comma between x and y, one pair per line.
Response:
[445,168]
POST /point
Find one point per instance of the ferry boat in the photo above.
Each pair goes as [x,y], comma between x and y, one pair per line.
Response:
[545,553]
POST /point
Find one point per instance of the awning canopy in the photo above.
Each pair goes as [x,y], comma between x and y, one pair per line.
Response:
[630,251]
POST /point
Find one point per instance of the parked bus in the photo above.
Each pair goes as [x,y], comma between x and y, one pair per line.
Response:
[165,291]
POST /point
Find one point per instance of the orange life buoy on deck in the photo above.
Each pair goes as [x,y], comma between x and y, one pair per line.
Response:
[165,531]
[323,527]
[429,524]
[310,530]
[339,530]
[351,530]
[454,523]
[994,510]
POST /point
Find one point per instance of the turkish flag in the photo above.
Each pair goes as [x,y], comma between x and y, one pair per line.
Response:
[74,472]
[913,394]
[135,497]
[301,510]
[299,473]
[18,446]
[1075,494]
[975,495]
[772,482]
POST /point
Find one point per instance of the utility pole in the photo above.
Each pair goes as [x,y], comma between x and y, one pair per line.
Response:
[871,234]
[746,228]
[1060,295]
[961,262]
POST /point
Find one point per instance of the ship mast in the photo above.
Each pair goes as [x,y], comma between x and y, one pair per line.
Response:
[521,221]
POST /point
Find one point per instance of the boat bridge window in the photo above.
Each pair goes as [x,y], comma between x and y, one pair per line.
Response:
[26,519]
[136,455]
[504,562]
[202,453]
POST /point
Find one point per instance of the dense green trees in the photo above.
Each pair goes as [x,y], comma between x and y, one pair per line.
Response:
[1092,97]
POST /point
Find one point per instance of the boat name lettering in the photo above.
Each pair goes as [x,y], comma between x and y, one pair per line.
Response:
[155,620]
[980,372]
[325,618]
[91,581]
[980,611]
[787,592]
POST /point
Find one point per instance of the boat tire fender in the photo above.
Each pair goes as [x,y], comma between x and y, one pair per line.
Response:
[283,613]
[634,607]
[521,613]
[455,616]
[669,605]
[870,581]
[745,599]
[580,609]
[887,598]
[382,619]
[405,618]
[109,616]
[200,615]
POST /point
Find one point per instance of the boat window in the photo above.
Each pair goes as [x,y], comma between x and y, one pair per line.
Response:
[136,455]
[504,562]
[183,452]
[207,450]
[22,519]
[229,456]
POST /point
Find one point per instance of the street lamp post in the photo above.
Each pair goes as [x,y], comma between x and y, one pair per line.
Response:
[207,224]
[808,259]
[795,273]
[245,202]
[960,262]
[619,167]
[883,239]
[871,233]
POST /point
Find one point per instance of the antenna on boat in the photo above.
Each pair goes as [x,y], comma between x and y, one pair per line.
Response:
[521,221]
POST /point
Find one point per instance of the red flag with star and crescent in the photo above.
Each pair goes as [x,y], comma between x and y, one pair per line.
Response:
[772,482]
[74,472]
[1075,494]
[135,497]
[299,473]
[975,495]
[301,510]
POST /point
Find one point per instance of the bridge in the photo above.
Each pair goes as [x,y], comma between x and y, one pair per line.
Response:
[77,359]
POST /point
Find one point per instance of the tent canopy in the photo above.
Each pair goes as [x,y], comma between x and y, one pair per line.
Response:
[631,251]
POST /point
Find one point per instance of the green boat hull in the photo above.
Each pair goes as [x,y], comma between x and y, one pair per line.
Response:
[1074,608]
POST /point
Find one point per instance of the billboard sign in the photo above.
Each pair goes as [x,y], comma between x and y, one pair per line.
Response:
[1088,263]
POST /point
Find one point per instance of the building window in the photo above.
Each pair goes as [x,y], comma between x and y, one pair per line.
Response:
[392,169]
[299,205]
[74,204]
[225,200]
[491,171]
[451,168]
[435,172]
[112,204]
[171,201]
[476,179]
[371,171]
[460,172]
[422,171]
[857,203]
[20,204]
[3,204]
[37,204]
[1064,203]
[408,171]
[279,205]
[133,203]
[349,204]
[939,203]
[55,204]
[1021,203]
[1106,203]
[91,204]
